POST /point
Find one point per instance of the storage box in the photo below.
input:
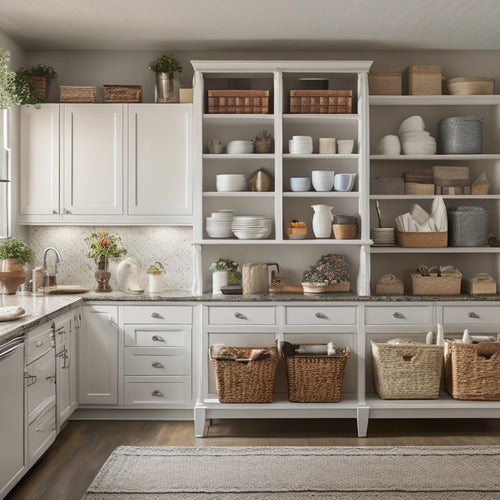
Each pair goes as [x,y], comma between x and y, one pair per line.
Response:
[185,95]
[385,82]
[428,239]
[321,101]
[389,285]
[448,284]
[72,93]
[482,284]
[238,101]
[472,371]
[418,188]
[473,85]
[122,93]
[407,370]
[387,185]
[424,80]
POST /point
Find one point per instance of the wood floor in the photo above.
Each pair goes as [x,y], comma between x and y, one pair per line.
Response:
[69,466]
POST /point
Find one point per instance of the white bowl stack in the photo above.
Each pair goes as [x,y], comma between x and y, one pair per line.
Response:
[251,227]
[239,147]
[415,140]
[218,225]
[231,182]
[300,145]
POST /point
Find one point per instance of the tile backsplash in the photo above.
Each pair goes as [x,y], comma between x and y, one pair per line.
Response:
[172,246]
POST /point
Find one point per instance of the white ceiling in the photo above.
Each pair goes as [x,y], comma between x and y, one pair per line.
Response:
[252,24]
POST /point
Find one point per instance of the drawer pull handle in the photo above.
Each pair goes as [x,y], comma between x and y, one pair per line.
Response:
[39,343]
[321,315]
[157,364]
[157,315]
[239,315]
[157,338]
[398,315]
[51,377]
[30,379]
[473,315]
[157,393]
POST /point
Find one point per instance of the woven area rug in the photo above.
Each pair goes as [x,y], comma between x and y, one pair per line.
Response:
[291,472]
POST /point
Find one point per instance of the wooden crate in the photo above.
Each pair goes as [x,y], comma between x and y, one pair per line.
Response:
[122,93]
[424,80]
[385,82]
[321,101]
[74,93]
[238,101]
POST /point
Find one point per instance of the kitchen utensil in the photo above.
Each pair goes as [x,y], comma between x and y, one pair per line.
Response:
[379,213]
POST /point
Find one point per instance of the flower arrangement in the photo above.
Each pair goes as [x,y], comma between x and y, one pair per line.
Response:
[166,63]
[233,275]
[156,268]
[14,248]
[103,247]
[329,269]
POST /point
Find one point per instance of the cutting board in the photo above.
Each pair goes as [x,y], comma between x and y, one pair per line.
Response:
[66,289]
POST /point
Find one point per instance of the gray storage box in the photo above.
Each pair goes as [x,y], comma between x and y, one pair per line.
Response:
[467,226]
[387,185]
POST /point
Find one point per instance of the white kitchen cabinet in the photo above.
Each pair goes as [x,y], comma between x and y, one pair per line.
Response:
[39,151]
[93,159]
[159,161]
[98,356]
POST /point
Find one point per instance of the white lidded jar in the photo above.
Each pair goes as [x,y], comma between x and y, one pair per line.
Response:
[155,274]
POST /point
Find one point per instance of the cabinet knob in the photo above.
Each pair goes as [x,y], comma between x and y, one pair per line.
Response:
[157,364]
[54,212]
[321,315]
[157,338]
[473,315]
[66,211]
[39,343]
[398,315]
[239,315]
[157,393]
[157,315]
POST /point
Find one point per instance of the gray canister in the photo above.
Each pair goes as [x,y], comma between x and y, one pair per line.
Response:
[461,135]
[467,226]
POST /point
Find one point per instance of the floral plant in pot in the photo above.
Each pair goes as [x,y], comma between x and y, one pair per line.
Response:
[225,272]
[155,274]
[166,67]
[37,78]
[14,253]
[330,273]
[103,248]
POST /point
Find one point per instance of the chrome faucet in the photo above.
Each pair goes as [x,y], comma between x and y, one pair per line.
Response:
[51,280]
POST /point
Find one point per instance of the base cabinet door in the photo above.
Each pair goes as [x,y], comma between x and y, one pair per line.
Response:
[98,356]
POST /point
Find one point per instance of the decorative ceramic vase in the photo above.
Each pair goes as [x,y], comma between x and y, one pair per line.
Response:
[322,221]
[11,275]
[167,87]
[155,283]
[102,275]
[219,278]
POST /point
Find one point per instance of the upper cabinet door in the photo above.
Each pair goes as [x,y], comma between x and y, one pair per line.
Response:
[39,186]
[160,159]
[93,159]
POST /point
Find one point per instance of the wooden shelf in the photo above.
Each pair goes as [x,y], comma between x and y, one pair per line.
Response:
[435,100]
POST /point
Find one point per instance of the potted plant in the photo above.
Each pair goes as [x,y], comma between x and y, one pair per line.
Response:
[155,277]
[104,247]
[38,78]
[330,273]
[225,272]
[166,68]
[14,253]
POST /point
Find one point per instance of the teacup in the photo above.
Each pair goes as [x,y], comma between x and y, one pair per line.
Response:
[344,182]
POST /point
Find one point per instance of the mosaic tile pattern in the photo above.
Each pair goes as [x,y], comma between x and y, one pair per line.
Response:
[169,245]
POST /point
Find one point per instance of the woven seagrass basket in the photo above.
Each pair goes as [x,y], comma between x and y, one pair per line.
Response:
[472,371]
[410,370]
[244,381]
[424,239]
[315,379]
[433,284]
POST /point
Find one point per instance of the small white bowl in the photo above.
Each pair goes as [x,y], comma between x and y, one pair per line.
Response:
[239,147]
[345,146]
[300,183]
[300,148]
[428,147]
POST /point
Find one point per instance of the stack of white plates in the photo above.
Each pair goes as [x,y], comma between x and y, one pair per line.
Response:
[231,182]
[218,225]
[251,227]
[383,236]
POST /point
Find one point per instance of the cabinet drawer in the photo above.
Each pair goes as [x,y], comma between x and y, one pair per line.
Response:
[41,434]
[157,314]
[157,336]
[157,391]
[471,315]
[38,342]
[396,315]
[40,380]
[321,315]
[241,315]
[157,361]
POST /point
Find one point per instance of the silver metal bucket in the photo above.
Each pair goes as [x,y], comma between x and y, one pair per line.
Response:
[167,88]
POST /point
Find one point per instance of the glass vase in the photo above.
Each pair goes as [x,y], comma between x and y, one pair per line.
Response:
[102,275]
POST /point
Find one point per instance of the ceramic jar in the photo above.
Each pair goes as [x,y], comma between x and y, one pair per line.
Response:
[322,221]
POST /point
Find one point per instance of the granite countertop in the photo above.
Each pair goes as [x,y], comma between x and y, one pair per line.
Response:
[38,309]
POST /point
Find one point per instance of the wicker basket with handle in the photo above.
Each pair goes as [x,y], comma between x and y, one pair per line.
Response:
[244,381]
[448,284]
[472,371]
[407,370]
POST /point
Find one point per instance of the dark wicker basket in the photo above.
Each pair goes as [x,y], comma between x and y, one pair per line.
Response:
[238,101]
[122,93]
[41,86]
[321,101]
[244,381]
[315,379]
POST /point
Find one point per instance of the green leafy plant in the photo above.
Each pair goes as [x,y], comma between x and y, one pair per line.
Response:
[329,268]
[233,275]
[14,248]
[38,70]
[104,246]
[8,95]
[156,268]
[166,63]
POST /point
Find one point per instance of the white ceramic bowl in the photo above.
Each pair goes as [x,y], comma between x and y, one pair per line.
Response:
[323,180]
[300,183]
[389,145]
[428,147]
[344,182]
[230,182]
[300,148]
[414,135]
[239,147]
[415,122]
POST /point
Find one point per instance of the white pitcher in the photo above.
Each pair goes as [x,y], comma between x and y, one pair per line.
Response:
[322,221]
